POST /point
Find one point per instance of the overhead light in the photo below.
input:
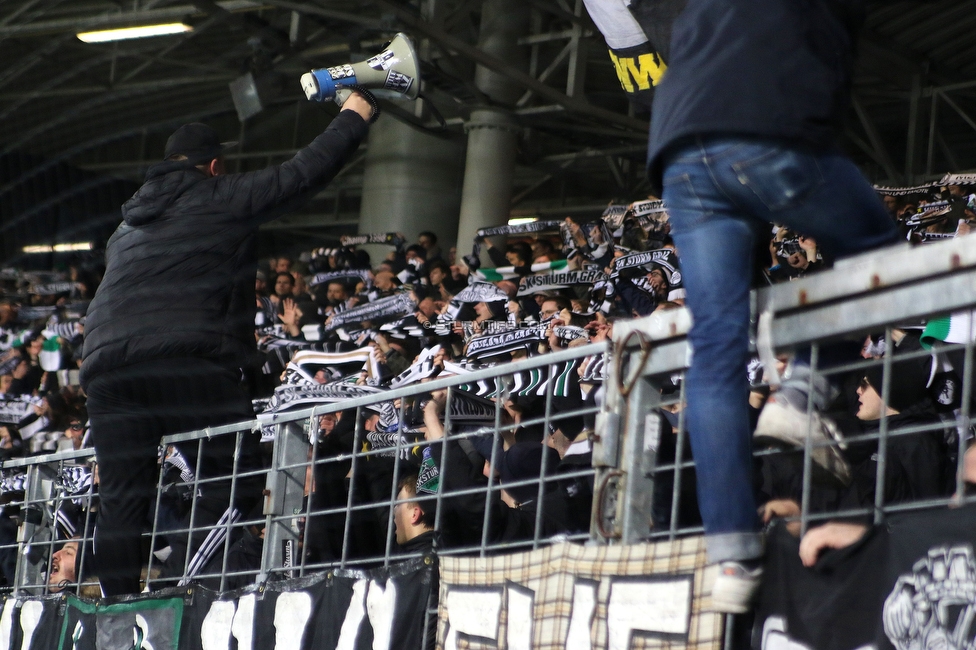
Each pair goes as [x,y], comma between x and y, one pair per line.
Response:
[520,220]
[124,33]
[58,248]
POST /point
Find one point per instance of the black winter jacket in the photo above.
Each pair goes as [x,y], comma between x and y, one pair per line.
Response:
[179,277]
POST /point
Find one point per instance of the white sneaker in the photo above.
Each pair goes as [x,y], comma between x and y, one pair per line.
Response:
[783,422]
[735,588]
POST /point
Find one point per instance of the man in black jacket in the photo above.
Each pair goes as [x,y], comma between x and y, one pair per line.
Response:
[172,324]
[743,134]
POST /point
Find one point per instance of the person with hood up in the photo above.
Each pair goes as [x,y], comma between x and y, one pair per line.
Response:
[172,324]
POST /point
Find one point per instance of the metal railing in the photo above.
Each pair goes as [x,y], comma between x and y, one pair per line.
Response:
[647,485]
[341,490]
[641,481]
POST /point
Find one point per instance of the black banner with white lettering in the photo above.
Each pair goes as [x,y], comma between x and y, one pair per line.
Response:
[910,584]
[381,609]
[531,284]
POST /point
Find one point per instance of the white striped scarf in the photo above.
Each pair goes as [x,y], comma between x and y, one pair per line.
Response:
[211,545]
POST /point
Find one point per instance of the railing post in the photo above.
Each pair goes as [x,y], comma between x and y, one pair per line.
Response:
[638,459]
[284,497]
[36,529]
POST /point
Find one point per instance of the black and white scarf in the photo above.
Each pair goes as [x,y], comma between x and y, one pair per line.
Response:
[957,179]
[514,229]
[305,363]
[351,275]
[664,259]
[490,345]
[385,309]
[652,216]
[52,288]
[29,314]
[531,284]
[13,410]
[390,238]
[530,383]
[906,191]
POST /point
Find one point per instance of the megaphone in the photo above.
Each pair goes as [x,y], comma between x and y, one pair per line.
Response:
[391,74]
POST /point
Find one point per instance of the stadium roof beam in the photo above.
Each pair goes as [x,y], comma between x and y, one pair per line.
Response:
[453,43]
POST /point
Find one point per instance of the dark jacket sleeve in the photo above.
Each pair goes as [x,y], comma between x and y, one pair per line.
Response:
[260,193]
[497,256]
[634,298]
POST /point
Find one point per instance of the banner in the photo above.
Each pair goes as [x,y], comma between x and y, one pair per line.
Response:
[535,283]
[909,584]
[381,609]
[571,596]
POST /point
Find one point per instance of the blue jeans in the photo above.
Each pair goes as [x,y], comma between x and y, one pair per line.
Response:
[720,191]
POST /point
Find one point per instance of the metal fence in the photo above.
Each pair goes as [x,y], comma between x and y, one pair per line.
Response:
[641,477]
[842,465]
[331,498]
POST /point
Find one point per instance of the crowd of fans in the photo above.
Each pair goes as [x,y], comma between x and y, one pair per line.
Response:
[334,324]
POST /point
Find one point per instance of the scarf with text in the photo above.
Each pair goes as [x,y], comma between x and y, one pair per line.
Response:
[389,238]
[530,228]
[531,284]
[490,345]
[350,276]
[385,309]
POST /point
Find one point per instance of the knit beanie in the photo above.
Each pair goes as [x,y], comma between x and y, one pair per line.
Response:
[909,381]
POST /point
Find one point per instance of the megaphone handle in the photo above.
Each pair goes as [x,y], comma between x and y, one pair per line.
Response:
[368,96]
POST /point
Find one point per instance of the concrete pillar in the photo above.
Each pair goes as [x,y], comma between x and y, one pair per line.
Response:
[493,131]
[412,182]
[488,169]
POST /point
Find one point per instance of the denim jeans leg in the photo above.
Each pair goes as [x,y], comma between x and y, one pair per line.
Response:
[822,195]
[715,244]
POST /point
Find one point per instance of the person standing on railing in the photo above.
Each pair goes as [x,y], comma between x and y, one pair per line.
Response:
[743,133]
[172,324]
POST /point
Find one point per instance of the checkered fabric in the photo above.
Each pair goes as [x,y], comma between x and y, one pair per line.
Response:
[552,573]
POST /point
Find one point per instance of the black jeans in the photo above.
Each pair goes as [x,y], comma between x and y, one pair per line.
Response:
[130,410]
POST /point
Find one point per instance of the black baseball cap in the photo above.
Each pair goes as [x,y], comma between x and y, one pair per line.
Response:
[198,142]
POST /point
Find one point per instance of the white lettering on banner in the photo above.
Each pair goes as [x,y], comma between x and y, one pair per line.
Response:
[380,606]
[292,611]
[6,623]
[243,626]
[354,616]
[520,605]
[140,634]
[215,629]
[473,612]
[76,635]
[774,636]
[655,606]
[584,608]
[30,615]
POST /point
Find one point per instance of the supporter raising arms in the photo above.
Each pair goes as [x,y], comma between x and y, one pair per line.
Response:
[172,324]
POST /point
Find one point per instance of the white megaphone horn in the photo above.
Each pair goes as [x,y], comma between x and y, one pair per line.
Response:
[393,73]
